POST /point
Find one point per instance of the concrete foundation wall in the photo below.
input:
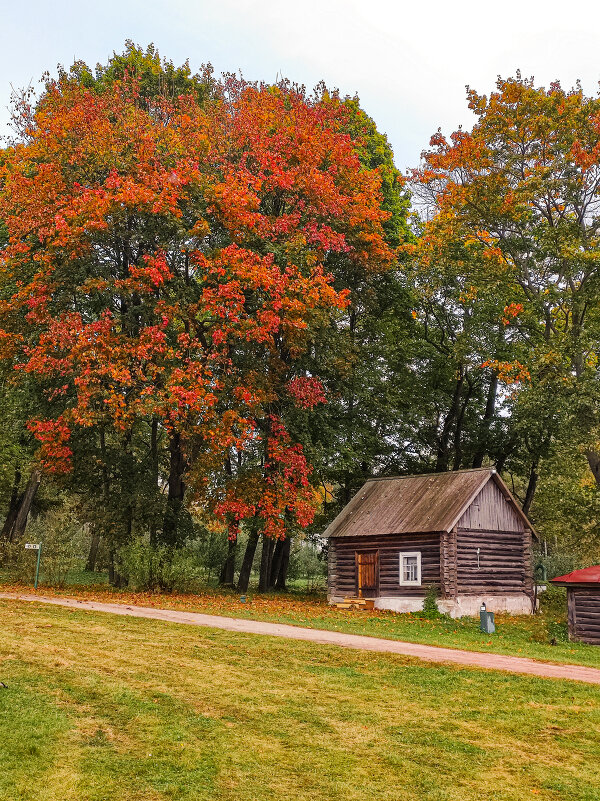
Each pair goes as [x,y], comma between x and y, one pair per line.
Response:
[463,606]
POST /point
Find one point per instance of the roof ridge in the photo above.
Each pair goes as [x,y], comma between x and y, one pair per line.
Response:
[489,470]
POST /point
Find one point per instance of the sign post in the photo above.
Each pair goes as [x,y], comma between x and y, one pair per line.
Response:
[35,546]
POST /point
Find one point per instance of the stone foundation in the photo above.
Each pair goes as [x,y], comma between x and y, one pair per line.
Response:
[463,606]
[469,605]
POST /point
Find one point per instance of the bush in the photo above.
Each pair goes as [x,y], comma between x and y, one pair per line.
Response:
[64,547]
[557,564]
[146,568]
[306,564]
[559,632]
[553,601]
[430,607]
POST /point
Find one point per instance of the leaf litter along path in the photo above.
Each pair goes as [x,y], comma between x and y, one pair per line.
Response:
[429,653]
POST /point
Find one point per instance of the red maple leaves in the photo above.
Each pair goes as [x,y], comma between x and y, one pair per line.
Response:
[149,250]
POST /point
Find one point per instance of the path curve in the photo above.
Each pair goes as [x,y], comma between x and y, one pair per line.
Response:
[429,653]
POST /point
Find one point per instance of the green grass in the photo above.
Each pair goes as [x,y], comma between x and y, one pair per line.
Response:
[100,708]
[525,635]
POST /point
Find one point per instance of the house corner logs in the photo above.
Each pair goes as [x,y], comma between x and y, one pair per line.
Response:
[528,566]
[448,564]
[331,568]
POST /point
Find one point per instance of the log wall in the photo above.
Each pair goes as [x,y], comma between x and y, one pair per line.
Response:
[449,561]
[342,563]
[584,614]
[504,563]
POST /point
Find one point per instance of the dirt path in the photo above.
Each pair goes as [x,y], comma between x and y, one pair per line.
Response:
[430,653]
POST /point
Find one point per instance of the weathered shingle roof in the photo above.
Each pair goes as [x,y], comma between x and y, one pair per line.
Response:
[414,504]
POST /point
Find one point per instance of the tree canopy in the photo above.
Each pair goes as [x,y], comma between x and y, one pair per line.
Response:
[222,307]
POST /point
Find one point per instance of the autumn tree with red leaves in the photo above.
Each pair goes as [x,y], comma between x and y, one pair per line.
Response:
[167,261]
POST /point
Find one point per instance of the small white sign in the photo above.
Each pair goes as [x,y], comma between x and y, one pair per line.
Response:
[32,546]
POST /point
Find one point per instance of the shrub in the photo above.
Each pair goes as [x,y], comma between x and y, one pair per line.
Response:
[430,607]
[559,632]
[307,564]
[64,546]
[557,564]
[147,568]
[553,601]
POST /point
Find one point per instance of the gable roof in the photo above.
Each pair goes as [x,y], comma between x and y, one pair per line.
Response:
[415,504]
[589,575]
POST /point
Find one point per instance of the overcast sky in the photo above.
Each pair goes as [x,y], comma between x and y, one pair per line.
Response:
[408,62]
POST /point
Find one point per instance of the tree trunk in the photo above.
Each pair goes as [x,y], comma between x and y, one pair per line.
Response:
[154,474]
[507,450]
[443,454]
[244,577]
[97,533]
[593,458]
[276,562]
[347,490]
[115,579]
[458,454]
[285,563]
[488,416]
[13,507]
[25,506]
[533,478]
[105,480]
[128,486]
[171,533]
[228,569]
[266,559]
[90,565]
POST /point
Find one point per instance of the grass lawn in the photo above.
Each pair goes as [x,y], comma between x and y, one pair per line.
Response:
[525,635]
[102,708]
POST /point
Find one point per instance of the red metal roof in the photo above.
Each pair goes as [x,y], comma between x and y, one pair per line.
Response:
[589,575]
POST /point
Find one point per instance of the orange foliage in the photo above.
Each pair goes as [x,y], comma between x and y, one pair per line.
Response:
[147,248]
[513,209]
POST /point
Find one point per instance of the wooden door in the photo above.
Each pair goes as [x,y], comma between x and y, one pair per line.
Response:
[367,573]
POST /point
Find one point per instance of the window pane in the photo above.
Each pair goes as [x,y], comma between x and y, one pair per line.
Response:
[410,568]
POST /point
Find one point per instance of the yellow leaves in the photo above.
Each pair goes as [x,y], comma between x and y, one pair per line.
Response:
[94,285]
[484,236]
[201,228]
[509,372]
[470,294]
[493,255]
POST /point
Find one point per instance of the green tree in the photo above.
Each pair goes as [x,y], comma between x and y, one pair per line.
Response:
[520,194]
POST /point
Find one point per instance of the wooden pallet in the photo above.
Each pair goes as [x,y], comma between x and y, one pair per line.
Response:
[361,604]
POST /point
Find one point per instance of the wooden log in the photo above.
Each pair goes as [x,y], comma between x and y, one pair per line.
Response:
[571,614]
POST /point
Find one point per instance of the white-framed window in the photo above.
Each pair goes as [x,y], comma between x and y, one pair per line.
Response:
[410,568]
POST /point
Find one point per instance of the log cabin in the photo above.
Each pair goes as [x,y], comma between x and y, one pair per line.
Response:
[462,533]
[583,603]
